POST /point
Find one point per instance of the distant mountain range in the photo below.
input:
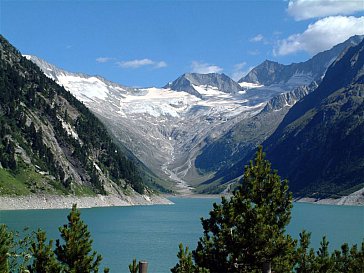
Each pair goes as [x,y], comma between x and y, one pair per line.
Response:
[199,130]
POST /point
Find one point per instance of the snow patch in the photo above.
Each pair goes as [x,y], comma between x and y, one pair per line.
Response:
[208,90]
[250,85]
[156,102]
[85,89]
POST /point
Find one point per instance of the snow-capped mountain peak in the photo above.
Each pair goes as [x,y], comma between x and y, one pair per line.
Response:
[212,81]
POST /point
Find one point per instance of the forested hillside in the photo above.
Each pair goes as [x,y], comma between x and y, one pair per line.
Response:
[49,141]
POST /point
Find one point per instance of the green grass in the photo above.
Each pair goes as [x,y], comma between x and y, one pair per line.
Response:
[9,185]
[37,183]
[26,181]
[83,191]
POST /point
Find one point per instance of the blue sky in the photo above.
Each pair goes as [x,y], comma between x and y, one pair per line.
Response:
[149,43]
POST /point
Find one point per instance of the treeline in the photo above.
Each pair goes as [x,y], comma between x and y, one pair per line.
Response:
[25,91]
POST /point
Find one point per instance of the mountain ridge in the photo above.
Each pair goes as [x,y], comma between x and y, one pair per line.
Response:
[270,72]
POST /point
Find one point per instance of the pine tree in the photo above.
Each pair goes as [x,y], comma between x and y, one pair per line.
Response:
[5,245]
[75,253]
[357,259]
[305,257]
[185,263]
[341,259]
[324,263]
[247,232]
[133,267]
[44,260]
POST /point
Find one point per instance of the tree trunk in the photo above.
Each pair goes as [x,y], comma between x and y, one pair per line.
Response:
[267,267]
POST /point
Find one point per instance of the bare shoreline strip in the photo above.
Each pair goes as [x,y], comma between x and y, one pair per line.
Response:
[354,199]
[44,201]
[30,202]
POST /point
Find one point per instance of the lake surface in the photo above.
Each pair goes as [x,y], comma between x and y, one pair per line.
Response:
[153,233]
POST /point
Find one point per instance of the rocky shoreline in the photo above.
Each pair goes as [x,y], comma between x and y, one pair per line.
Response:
[354,199]
[44,201]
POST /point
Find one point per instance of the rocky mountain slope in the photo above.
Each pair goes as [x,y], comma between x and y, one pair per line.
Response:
[50,142]
[227,155]
[319,146]
[245,136]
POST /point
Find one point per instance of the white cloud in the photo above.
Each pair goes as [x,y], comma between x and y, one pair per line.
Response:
[257,38]
[103,59]
[141,62]
[321,35]
[135,63]
[205,68]
[160,64]
[306,9]
[239,71]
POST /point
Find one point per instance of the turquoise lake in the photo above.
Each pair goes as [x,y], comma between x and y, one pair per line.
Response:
[153,233]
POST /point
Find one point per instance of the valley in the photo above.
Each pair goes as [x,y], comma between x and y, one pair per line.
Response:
[166,129]
[195,134]
[193,130]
